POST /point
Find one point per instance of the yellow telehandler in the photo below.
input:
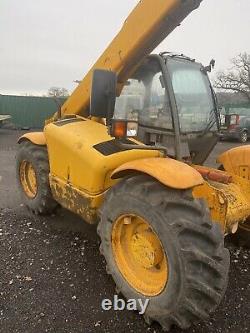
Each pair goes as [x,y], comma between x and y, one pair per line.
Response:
[137,170]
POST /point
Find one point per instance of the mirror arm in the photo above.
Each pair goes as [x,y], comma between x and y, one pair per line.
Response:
[110,111]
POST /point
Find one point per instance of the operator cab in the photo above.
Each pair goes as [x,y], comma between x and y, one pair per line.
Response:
[172,99]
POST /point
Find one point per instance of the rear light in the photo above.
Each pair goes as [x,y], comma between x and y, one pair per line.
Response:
[237,119]
[123,128]
[234,122]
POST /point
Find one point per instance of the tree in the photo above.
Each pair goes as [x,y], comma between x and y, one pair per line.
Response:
[58,92]
[237,78]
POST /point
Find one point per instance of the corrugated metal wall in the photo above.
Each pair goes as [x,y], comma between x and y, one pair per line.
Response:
[28,111]
[243,109]
[31,112]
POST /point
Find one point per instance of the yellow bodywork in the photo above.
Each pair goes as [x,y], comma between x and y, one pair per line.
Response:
[85,163]
[81,169]
[74,159]
[80,174]
[229,204]
[237,161]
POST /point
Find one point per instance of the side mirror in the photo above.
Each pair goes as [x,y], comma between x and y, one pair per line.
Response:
[103,94]
[208,69]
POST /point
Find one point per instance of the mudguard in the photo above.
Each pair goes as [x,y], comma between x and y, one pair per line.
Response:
[168,171]
[38,138]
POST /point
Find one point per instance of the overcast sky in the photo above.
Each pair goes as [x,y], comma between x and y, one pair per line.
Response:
[53,42]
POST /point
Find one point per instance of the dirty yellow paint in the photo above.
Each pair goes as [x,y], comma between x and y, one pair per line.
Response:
[229,204]
[75,160]
[75,200]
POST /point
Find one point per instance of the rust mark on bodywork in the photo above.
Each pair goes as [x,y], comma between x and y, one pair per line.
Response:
[75,200]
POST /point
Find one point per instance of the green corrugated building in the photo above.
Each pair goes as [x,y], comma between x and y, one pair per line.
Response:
[28,111]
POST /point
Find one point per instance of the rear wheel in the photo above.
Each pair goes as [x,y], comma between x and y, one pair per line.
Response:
[32,170]
[243,137]
[160,244]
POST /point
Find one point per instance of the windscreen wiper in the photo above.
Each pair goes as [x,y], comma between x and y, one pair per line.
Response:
[211,123]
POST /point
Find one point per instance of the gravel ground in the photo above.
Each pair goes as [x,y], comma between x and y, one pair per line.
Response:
[52,278]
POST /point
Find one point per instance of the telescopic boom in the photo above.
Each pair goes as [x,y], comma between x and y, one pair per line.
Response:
[146,27]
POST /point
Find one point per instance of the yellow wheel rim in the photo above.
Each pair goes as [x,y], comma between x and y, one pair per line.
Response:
[139,255]
[28,179]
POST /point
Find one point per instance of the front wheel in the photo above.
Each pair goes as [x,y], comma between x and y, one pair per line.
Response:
[160,244]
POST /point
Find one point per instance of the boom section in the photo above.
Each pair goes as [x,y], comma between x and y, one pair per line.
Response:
[146,27]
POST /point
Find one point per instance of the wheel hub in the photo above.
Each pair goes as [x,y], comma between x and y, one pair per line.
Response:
[244,136]
[28,179]
[139,255]
[146,249]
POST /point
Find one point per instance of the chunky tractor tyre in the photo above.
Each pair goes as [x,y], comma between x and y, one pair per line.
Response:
[160,244]
[32,170]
